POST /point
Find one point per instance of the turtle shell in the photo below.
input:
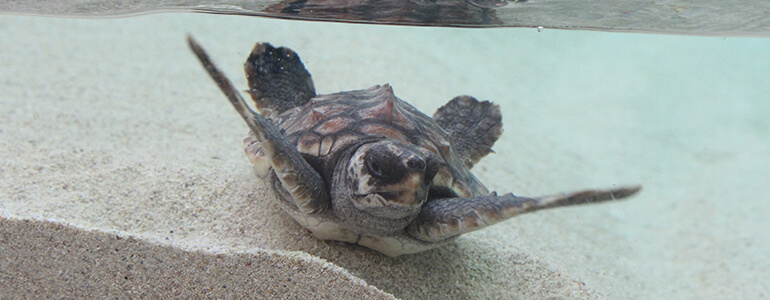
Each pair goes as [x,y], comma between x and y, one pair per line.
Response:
[330,124]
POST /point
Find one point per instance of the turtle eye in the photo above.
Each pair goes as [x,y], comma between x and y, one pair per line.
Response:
[374,168]
[384,165]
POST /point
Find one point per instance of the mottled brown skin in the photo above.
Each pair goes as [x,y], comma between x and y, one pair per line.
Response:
[366,167]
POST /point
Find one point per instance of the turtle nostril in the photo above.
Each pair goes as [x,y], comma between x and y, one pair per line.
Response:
[415,163]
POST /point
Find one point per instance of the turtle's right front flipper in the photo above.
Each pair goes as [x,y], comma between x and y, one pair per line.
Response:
[299,179]
[442,219]
[278,81]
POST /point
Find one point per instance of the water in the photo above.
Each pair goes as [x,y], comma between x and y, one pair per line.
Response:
[712,17]
[96,111]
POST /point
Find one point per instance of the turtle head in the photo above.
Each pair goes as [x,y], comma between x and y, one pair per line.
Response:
[388,180]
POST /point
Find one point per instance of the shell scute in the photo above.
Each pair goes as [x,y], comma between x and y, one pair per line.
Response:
[309,143]
[381,130]
[326,145]
[334,125]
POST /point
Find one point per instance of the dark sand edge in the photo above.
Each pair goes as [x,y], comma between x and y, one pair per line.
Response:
[41,259]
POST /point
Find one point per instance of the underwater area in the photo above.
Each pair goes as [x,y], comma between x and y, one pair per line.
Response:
[111,126]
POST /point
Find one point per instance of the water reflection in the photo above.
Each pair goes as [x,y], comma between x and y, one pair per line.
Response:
[708,17]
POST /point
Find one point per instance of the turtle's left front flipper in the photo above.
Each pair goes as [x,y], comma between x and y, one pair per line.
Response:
[473,125]
[297,177]
[446,218]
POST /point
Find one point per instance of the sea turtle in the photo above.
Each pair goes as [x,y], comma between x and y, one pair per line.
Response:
[367,168]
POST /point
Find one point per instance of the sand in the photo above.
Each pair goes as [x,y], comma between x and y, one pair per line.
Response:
[122,172]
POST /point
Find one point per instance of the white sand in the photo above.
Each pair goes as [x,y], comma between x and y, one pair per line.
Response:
[111,127]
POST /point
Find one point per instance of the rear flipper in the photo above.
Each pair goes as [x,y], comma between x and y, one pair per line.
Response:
[278,81]
[446,218]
